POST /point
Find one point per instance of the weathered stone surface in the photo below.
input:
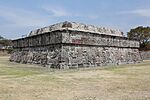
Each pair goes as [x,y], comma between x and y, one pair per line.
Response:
[87,38]
[145,55]
[98,56]
[48,55]
[74,56]
[77,27]
[70,48]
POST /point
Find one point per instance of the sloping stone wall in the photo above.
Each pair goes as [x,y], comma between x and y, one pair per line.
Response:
[86,56]
[76,56]
[44,55]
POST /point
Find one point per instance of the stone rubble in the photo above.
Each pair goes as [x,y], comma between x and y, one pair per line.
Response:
[77,27]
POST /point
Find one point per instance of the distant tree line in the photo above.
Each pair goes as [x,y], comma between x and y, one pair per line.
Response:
[1,38]
[5,42]
[142,34]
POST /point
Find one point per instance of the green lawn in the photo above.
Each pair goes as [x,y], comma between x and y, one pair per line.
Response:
[32,82]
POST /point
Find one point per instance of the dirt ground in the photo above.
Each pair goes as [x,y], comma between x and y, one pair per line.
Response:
[31,82]
[3,53]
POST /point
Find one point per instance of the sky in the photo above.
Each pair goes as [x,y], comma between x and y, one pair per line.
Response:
[19,17]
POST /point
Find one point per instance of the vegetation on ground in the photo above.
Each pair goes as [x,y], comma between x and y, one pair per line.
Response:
[32,82]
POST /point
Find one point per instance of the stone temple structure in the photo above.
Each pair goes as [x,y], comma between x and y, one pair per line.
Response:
[74,45]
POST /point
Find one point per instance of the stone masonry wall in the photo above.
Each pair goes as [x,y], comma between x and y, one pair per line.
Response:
[87,38]
[48,55]
[39,40]
[83,56]
[73,49]
[145,55]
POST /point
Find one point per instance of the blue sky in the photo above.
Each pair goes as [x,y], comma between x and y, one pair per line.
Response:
[19,17]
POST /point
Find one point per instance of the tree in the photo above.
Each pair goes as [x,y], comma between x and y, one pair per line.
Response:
[1,38]
[5,42]
[142,34]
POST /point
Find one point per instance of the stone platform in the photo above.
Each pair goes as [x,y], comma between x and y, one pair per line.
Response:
[74,45]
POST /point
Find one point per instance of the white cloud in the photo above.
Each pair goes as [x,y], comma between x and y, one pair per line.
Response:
[56,11]
[16,21]
[22,18]
[140,12]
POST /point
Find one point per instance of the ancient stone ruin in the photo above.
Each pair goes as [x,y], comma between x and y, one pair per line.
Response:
[74,45]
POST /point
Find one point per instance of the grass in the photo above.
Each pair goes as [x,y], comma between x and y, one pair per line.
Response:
[32,82]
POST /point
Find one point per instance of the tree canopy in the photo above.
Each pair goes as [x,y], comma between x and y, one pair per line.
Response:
[1,37]
[142,34]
